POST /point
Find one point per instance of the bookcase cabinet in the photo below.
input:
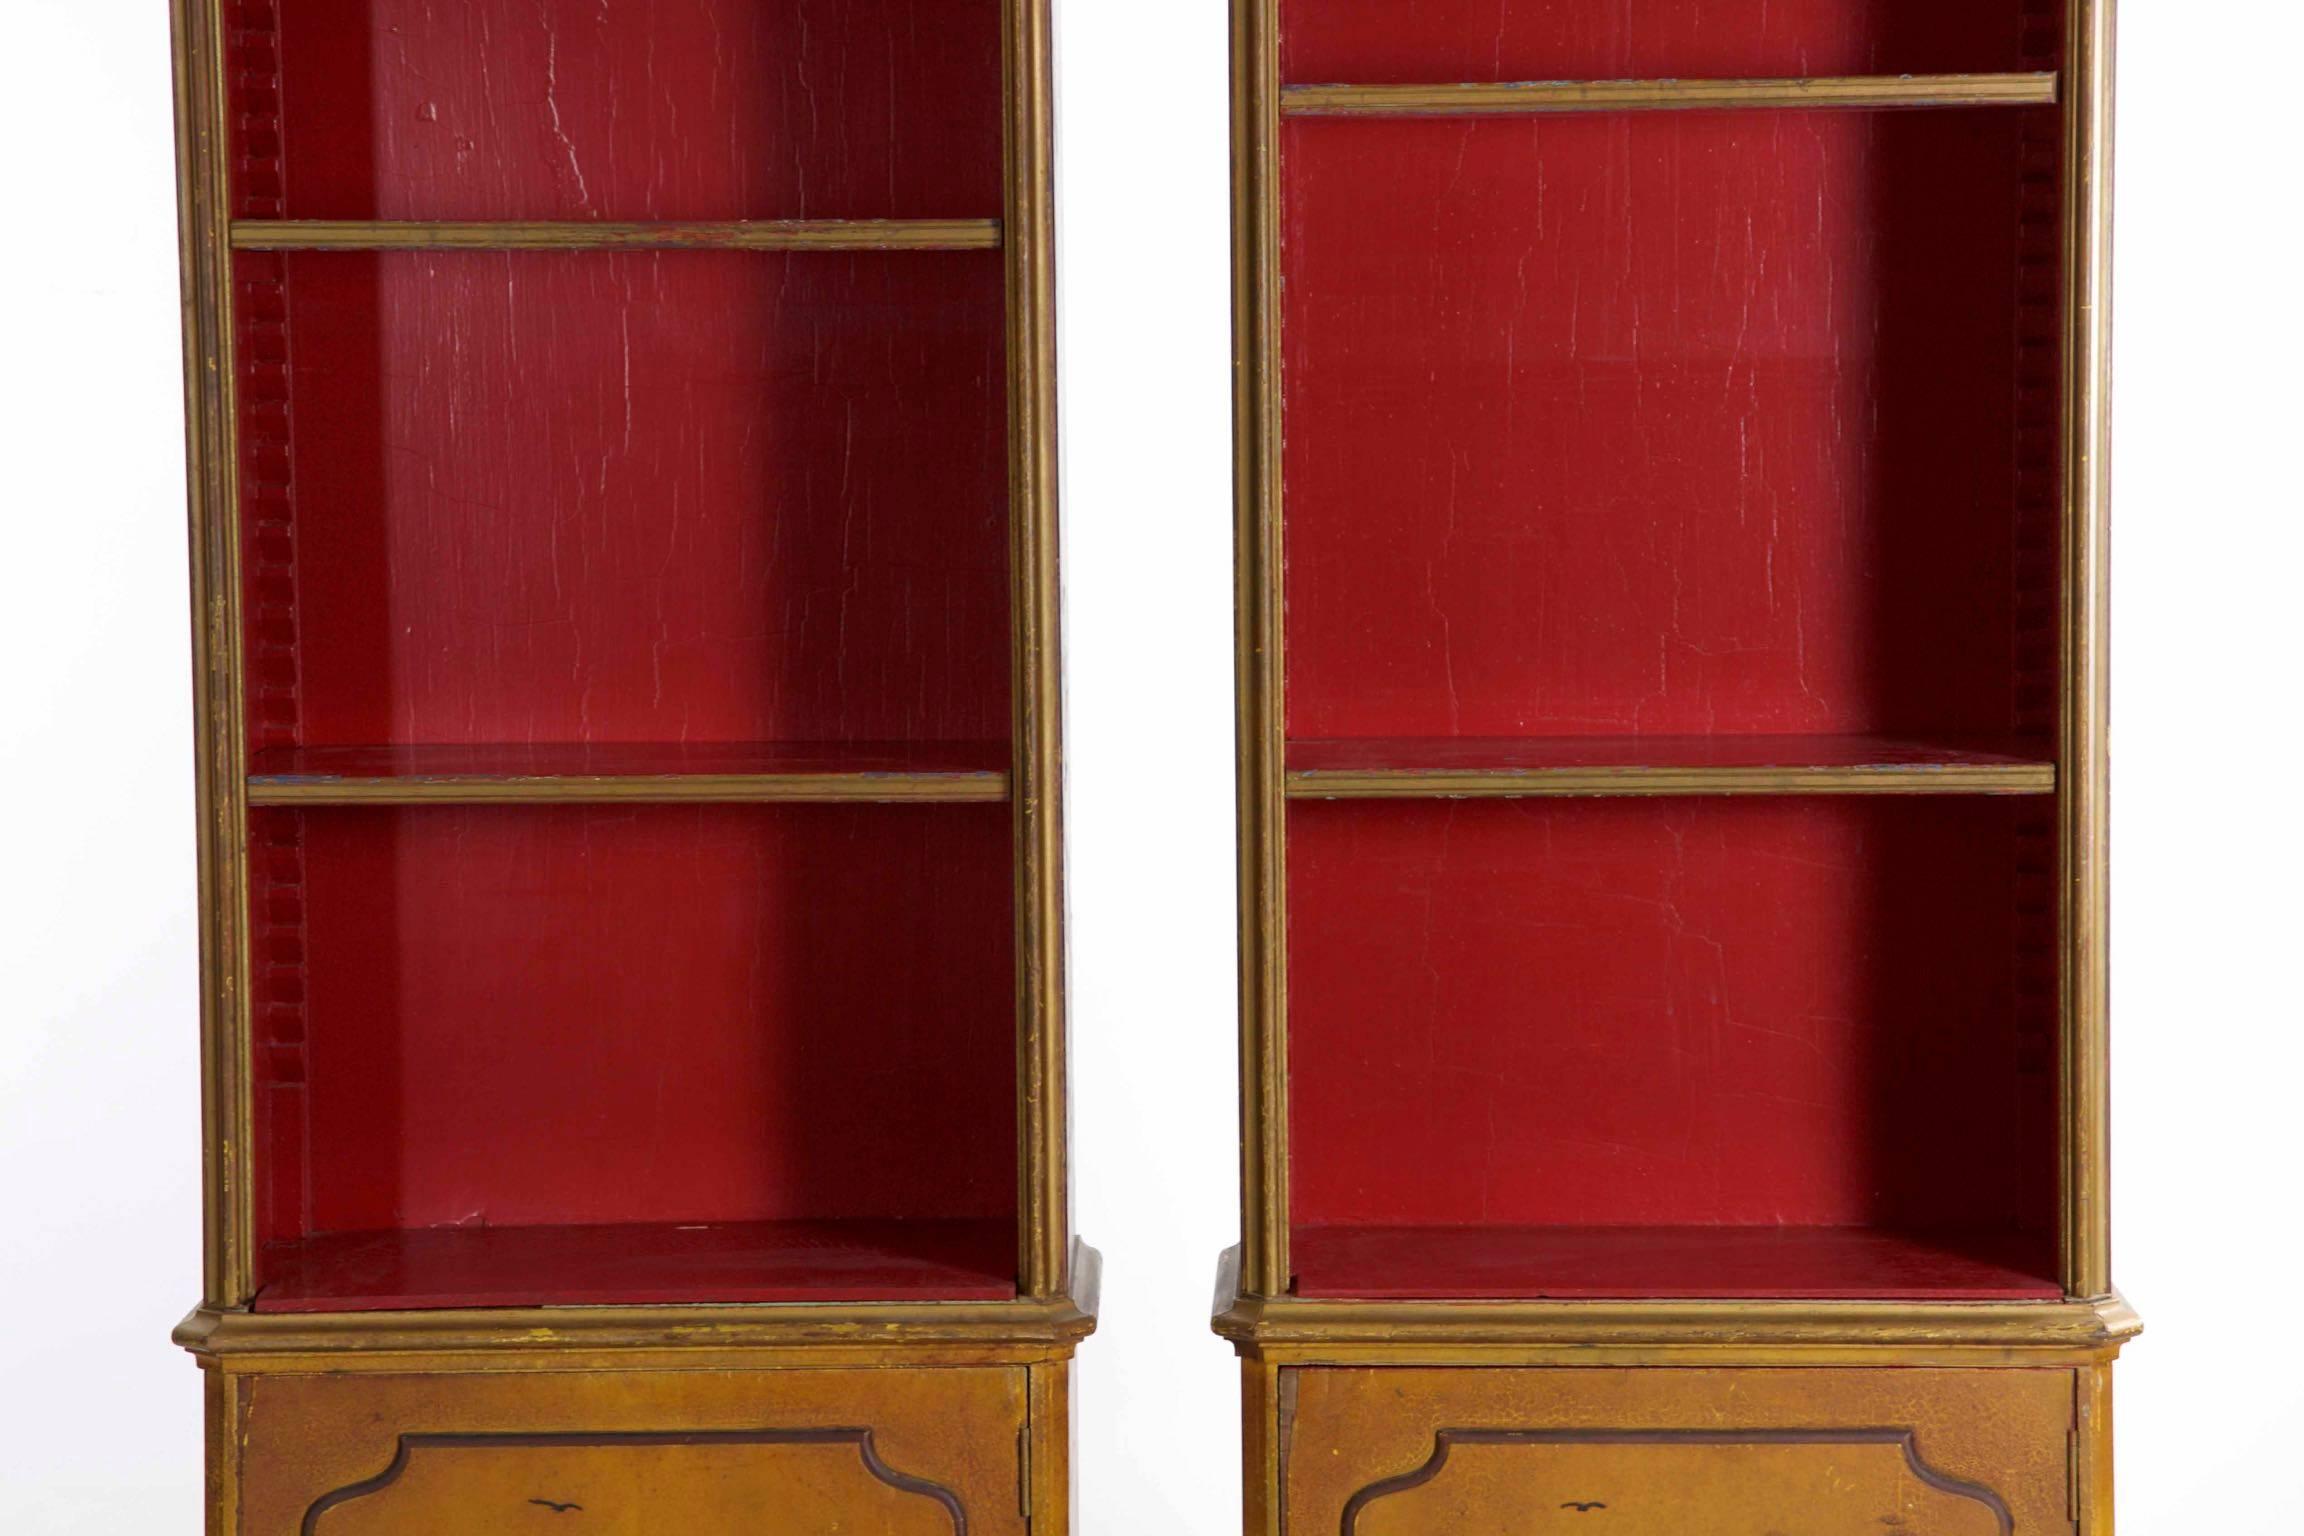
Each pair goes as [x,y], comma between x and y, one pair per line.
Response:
[630,781]
[1672,763]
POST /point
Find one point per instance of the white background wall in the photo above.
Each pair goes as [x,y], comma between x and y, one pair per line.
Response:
[99,1238]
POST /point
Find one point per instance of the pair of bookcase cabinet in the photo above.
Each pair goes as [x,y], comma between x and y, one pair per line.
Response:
[1672,764]
[624,552]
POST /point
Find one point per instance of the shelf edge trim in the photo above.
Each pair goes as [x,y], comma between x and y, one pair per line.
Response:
[545,235]
[1536,96]
[725,789]
[1390,784]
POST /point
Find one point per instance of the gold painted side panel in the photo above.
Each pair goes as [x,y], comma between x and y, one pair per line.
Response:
[2085,769]
[908,1453]
[1051,1505]
[1260,663]
[2092,1453]
[1666,1452]
[1035,612]
[1265,1393]
[220,1398]
[220,774]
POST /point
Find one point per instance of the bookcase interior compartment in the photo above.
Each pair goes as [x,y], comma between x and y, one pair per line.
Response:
[1729,1046]
[624,496]
[1381,42]
[616,109]
[1671,424]
[512,1055]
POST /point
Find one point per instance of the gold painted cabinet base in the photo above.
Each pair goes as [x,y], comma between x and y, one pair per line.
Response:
[1727,1451]
[964,1450]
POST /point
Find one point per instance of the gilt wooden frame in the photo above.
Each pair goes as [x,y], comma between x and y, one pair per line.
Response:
[1276,1333]
[1057,1279]
[2081,768]
[1026,233]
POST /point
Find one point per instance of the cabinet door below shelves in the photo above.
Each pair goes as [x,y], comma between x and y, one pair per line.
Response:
[1750,1452]
[710,1453]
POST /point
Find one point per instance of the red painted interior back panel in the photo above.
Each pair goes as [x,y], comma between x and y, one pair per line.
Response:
[1671,424]
[1734,1012]
[625,497]
[561,1015]
[1377,42]
[618,109]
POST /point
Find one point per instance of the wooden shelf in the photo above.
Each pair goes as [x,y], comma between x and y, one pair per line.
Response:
[1690,1263]
[638,1265]
[1538,96]
[755,235]
[1466,767]
[722,772]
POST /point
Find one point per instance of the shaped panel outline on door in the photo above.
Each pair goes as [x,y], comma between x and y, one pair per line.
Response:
[861,1439]
[1905,1440]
